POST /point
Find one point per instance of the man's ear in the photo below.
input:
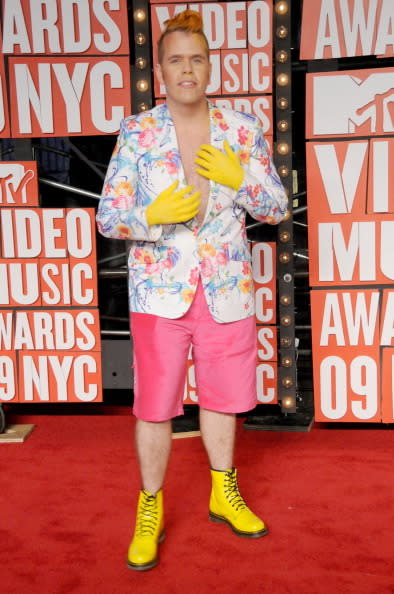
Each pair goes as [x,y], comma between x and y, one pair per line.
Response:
[159,74]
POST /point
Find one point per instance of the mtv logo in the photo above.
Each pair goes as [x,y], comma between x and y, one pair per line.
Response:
[352,103]
[18,184]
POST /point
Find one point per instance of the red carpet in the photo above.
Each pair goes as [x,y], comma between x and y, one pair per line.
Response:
[68,496]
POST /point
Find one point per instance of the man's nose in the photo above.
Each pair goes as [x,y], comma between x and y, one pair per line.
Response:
[187,66]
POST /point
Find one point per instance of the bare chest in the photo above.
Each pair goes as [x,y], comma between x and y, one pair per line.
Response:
[188,147]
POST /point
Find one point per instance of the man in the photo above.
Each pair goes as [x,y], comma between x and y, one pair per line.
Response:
[179,184]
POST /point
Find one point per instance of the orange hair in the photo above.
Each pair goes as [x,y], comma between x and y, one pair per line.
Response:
[188,21]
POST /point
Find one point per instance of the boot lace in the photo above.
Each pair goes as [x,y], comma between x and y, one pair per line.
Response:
[232,493]
[148,516]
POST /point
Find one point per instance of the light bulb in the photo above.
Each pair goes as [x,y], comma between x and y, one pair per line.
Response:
[282,79]
[284,257]
[140,39]
[287,362]
[283,103]
[282,56]
[142,85]
[282,148]
[287,382]
[285,342]
[283,171]
[282,32]
[288,402]
[284,236]
[141,63]
[139,15]
[285,300]
[283,125]
[281,8]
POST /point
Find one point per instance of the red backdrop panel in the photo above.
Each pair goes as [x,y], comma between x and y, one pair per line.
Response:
[346,355]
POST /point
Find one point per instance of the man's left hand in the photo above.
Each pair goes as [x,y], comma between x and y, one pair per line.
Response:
[223,168]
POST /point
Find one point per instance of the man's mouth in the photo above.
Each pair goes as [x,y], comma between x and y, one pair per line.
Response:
[187,84]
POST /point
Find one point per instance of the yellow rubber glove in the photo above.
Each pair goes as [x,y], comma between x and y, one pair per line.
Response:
[223,168]
[173,207]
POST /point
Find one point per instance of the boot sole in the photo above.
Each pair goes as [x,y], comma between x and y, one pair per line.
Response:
[220,520]
[146,566]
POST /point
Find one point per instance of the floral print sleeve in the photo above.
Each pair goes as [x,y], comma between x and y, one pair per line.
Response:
[122,207]
[262,193]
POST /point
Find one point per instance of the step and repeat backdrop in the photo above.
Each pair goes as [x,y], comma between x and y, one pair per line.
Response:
[49,321]
[64,67]
[350,179]
[64,71]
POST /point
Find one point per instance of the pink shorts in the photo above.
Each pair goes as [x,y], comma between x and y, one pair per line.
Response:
[224,356]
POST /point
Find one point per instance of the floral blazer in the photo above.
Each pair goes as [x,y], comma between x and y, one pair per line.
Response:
[166,261]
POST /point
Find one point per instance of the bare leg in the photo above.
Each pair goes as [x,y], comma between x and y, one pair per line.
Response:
[153,441]
[218,435]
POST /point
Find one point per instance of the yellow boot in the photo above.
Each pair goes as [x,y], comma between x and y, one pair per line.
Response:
[226,505]
[149,531]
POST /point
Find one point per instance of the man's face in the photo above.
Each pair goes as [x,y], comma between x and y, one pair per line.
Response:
[185,68]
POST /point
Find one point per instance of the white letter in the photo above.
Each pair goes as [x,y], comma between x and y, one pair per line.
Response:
[385,35]
[262,263]
[71,45]
[113,36]
[361,241]
[233,25]
[327,33]
[387,249]
[24,295]
[61,371]
[39,24]
[72,90]
[87,341]
[79,233]
[360,368]
[358,29]
[77,283]
[333,390]
[7,379]
[380,174]
[259,24]
[88,393]
[98,95]
[228,60]
[53,296]
[388,322]
[340,186]
[332,312]
[267,351]
[23,336]
[28,233]
[37,378]
[259,83]
[264,370]
[26,94]
[6,330]
[213,19]
[51,233]
[361,318]
[264,314]
[14,28]
[43,335]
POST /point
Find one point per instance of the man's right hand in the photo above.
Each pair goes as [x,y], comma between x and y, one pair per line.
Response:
[173,207]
